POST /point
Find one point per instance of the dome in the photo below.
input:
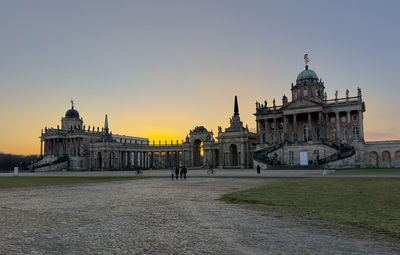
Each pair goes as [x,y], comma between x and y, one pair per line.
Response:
[72,114]
[200,129]
[307,75]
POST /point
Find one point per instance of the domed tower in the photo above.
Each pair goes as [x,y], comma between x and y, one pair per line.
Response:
[307,84]
[71,121]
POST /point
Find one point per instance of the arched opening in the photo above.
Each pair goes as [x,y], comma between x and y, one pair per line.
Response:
[373,158]
[99,160]
[386,160]
[198,153]
[397,159]
[233,151]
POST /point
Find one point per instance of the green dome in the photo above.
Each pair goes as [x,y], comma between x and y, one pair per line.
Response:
[307,75]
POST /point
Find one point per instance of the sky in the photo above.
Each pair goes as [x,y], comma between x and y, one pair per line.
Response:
[160,68]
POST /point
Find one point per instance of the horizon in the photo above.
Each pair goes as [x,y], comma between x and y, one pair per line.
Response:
[158,69]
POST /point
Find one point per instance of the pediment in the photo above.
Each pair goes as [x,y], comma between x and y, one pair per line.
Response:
[301,103]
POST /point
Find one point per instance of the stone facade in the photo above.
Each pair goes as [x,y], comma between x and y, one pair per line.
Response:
[77,147]
[313,131]
[308,131]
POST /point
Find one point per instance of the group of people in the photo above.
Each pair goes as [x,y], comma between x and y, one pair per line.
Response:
[176,173]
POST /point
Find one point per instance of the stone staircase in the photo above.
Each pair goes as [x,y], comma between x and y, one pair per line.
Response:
[342,151]
[37,166]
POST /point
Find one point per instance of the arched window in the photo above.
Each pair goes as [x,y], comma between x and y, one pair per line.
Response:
[305,132]
[305,92]
[355,133]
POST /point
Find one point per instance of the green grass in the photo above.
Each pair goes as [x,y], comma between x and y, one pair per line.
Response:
[395,171]
[366,202]
[29,181]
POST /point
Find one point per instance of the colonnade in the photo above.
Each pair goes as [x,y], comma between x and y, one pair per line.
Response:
[137,159]
[313,126]
[61,146]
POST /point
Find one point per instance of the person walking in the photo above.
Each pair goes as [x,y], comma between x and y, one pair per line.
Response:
[176,172]
[184,172]
[181,173]
[258,169]
[172,173]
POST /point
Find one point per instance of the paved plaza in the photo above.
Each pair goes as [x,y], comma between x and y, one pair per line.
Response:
[161,216]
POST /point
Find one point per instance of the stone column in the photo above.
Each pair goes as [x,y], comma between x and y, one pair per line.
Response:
[242,155]
[349,131]
[258,132]
[310,133]
[41,147]
[361,126]
[285,128]
[337,126]
[266,133]
[276,140]
[295,127]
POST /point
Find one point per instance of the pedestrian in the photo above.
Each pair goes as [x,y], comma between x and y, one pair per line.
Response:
[181,173]
[258,169]
[184,172]
[176,172]
[172,173]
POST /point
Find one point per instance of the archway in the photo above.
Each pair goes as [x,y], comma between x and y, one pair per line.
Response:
[386,160]
[397,159]
[198,153]
[373,158]
[233,151]
[99,160]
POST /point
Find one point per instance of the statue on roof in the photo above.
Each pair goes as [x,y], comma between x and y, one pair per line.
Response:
[306,59]
[284,99]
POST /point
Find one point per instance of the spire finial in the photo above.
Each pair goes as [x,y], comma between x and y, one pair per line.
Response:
[306,60]
[106,124]
[236,108]
[72,104]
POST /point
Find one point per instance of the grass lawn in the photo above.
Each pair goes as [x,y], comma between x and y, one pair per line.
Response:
[29,181]
[377,171]
[365,202]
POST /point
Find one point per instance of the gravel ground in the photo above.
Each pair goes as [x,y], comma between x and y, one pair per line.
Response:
[160,216]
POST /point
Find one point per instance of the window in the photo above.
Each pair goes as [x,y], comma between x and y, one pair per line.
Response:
[355,133]
[291,157]
[354,118]
[305,92]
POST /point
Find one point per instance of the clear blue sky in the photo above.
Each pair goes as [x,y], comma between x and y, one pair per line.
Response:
[159,68]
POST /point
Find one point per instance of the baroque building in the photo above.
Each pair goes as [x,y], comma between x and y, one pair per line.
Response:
[309,131]
[313,131]
[77,147]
